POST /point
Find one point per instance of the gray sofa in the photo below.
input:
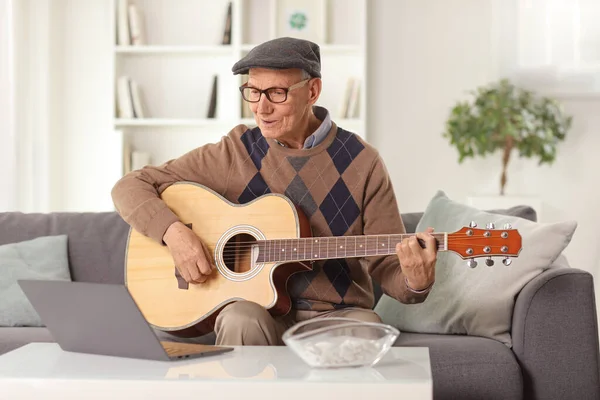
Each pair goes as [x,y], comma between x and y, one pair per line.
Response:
[555,333]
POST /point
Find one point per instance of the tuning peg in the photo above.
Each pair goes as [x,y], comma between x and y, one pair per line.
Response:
[473,224]
[472,263]
[490,225]
[507,261]
[489,262]
[507,226]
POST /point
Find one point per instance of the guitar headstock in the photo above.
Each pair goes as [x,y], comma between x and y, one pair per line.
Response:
[471,242]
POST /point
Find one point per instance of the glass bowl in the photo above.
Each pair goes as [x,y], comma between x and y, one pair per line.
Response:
[340,342]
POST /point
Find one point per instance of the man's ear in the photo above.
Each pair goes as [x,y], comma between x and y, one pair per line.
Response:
[315,85]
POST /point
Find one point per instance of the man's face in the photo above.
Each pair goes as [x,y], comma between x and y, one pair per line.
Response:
[282,120]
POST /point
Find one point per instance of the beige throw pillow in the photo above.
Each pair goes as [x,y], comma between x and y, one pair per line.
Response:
[477,301]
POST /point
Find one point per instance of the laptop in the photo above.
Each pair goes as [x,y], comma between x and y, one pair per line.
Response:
[103,319]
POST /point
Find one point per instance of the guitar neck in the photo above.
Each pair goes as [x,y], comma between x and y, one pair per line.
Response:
[326,248]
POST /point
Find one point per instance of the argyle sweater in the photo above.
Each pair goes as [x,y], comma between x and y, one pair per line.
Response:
[341,185]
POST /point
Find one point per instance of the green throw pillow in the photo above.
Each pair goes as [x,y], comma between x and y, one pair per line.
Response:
[479,301]
[41,258]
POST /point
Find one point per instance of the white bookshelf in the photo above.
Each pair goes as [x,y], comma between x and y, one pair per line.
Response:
[182,51]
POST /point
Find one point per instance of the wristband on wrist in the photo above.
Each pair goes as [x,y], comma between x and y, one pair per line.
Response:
[427,289]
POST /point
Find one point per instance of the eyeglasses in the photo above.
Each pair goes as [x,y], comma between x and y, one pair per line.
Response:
[274,94]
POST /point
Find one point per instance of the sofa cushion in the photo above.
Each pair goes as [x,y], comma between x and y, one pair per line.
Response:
[411,220]
[13,338]
[476,301]
[97,241]
[465,367]
[40,258]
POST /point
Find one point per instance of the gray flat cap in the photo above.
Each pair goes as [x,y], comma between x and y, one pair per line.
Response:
[282,53]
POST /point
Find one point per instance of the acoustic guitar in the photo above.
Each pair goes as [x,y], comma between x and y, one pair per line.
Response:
[256,247]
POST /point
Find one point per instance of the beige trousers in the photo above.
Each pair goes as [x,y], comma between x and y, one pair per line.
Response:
[247,323]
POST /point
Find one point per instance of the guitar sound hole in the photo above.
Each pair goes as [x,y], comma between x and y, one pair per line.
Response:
[237,253]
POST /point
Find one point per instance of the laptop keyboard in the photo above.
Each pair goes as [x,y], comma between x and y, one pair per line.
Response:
[179,349]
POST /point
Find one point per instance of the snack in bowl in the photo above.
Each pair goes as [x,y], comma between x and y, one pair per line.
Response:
[340,342]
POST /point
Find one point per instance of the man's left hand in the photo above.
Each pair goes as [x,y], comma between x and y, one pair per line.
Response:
[417,263]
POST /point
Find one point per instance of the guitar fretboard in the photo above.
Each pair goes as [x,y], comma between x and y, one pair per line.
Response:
[324,248]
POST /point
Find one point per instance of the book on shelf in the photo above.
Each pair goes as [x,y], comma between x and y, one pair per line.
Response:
[227,30]
[126,156]
[136,26]
[129,99]
[134,160]
[139,159]
[130,24]
[350,105]
[212,105]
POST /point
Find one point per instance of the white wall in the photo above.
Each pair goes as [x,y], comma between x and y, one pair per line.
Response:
[7,138]
[428,53]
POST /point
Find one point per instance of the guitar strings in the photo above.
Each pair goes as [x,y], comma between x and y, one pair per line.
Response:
[330,246]
[247,244]
[272,245]
[233,255]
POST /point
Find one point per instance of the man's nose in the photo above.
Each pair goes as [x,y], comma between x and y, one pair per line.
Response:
[264,105]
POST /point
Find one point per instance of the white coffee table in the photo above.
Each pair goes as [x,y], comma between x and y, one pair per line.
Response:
[43,370]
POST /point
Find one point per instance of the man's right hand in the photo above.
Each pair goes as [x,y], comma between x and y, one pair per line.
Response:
[191,256]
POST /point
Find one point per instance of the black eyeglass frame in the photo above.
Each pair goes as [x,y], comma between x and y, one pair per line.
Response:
[266,91]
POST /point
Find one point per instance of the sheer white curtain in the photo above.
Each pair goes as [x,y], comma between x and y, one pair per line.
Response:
[8,199]
[24,105]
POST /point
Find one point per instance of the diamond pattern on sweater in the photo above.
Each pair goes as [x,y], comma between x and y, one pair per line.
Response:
[255,188]
[338,273]
[344,149]
[297,162]
[339,208]
[303,281]
[300,195]
[256,146]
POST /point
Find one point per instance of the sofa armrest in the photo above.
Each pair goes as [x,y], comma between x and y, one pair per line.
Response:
[555,336]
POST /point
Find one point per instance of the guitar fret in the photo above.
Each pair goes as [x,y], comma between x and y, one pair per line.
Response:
[295,249]
[319,249]
[345,246]
[304,255]
[336,248]
[267,253]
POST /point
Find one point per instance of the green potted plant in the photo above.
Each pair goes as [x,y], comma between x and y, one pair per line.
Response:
[504,117]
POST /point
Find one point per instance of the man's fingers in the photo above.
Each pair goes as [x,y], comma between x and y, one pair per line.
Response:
[415,247]
[208,257]
[204,267]
[194,272]
[183,271]
[430,242]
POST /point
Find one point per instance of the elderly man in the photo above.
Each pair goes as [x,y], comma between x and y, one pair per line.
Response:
[338,180]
